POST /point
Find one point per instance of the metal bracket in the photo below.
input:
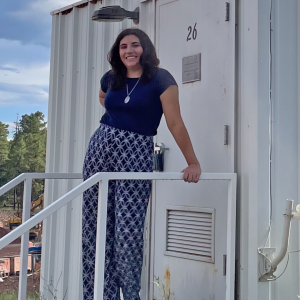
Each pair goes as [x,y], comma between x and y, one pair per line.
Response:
[158,157]
[224,264]
[160,147]
[265,257]
[226,127]
[227,11]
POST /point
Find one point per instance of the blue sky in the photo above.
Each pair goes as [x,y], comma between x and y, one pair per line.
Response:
[25,36]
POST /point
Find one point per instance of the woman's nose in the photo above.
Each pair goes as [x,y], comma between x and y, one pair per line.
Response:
[129,50]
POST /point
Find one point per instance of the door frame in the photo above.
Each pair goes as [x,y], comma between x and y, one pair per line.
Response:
[151,29]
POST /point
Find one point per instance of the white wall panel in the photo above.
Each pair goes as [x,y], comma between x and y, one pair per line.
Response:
[78,60]
[253,142]
[285,158]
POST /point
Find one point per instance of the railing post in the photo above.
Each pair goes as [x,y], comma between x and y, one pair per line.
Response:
[231,236]
[101,240]
[25,240]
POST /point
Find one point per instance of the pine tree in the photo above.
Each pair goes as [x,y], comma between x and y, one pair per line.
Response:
[4,148]
[27,152]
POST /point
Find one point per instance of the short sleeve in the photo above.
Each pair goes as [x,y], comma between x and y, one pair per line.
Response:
[165,79]
[104,82]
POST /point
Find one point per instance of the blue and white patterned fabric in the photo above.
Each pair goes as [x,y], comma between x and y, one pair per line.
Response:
[115,150]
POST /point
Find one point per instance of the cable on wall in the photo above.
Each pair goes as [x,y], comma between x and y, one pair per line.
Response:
[270,125]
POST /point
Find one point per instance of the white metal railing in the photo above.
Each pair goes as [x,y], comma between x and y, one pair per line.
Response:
[103,179]
[27,178]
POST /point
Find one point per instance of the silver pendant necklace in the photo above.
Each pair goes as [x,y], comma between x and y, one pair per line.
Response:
[128,95]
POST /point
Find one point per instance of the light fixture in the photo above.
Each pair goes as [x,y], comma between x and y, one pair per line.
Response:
[115,13]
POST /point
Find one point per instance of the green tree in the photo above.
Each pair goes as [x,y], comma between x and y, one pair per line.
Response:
[17,163]
[4,149]
[27,151]
[33,123]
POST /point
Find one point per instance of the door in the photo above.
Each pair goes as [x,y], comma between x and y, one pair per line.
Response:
[195,43]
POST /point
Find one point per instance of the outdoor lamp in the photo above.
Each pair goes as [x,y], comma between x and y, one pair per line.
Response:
[115,13]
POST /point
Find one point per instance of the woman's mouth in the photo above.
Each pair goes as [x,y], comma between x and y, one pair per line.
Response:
[131,57]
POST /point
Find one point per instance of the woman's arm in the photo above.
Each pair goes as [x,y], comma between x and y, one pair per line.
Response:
[101,97]
[170,103]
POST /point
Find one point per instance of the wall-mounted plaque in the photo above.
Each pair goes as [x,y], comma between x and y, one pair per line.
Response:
[191,68]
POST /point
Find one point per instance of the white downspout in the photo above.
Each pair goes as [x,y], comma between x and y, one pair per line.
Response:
[285,236]
[268,267]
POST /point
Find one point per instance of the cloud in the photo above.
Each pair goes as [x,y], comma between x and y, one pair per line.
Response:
[15,53]
[22,89]
[28,21]
[47,6]
[22,95]
[9,69]
[35,75]
[11,125]
[26,64]
[11,128]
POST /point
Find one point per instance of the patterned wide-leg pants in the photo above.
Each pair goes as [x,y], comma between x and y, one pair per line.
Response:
[114,150]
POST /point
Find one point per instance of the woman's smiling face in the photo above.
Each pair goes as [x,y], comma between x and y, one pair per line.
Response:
[130,51]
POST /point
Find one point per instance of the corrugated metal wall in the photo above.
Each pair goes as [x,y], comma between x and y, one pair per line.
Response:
[78,60]
[254,205]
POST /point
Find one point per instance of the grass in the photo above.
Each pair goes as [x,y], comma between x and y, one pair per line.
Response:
[14,296]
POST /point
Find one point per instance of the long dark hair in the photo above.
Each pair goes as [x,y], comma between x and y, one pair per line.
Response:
[148,59]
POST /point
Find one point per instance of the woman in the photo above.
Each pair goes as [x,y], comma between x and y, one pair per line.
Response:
[135,94]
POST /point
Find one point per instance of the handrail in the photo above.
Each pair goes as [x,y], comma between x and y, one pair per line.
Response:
[53,207]
[103,179]
[10,185]
[13,183]
[27,178]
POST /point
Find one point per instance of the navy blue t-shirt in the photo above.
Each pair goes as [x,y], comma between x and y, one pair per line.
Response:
[142,114]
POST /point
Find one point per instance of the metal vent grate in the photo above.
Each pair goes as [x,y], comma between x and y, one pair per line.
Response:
[190,233]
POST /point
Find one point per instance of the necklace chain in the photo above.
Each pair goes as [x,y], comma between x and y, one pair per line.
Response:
[128,94]
[132,88]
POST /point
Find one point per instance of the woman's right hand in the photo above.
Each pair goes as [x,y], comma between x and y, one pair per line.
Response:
[102,97]
[192,173]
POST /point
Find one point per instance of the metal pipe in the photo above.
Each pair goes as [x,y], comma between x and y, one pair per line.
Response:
[8,186]
[285,235]
[100,240]
[25,241]
[50,209]
[11,184]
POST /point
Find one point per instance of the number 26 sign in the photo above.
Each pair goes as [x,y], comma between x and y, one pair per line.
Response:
[192,33]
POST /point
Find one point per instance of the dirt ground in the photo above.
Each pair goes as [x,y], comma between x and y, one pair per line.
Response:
[5,215]
[11,284]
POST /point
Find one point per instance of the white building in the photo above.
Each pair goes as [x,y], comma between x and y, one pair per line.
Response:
[242,60]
